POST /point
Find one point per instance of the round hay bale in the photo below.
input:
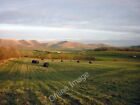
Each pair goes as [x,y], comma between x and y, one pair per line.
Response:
[46,64]
[90,62]
[114,59]
[78,61]
[35,61]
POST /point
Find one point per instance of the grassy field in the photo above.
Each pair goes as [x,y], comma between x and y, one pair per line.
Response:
[110,82]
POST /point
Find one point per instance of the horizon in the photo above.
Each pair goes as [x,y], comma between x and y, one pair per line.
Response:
[115,43]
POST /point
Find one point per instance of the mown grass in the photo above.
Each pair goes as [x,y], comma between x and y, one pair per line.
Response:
[110,82]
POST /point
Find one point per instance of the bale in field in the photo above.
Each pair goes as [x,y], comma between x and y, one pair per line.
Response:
[90,62]
[114,59]
[35,61]
[46,64]
[25,56]
[78,61]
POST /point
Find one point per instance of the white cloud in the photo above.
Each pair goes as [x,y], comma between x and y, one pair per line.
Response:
[61,33]
[13,27]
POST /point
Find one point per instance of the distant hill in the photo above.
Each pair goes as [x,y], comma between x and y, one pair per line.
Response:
[33,44]
[20,43]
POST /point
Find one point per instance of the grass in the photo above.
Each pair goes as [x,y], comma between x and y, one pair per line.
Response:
[110,82]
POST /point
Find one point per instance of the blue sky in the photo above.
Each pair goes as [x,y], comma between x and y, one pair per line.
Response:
[70,19]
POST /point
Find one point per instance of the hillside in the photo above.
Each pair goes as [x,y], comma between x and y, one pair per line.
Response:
[33,44]
[19,43]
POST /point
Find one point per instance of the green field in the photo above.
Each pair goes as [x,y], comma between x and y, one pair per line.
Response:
[114,79]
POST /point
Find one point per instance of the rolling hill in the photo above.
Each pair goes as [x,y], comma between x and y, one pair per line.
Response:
[33,44]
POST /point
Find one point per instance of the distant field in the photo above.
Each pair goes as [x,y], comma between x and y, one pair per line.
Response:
[85,55]
[111,82]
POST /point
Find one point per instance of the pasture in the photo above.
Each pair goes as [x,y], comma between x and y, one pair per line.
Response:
[110,82]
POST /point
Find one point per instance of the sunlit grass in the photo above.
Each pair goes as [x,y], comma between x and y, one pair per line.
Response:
[110,82]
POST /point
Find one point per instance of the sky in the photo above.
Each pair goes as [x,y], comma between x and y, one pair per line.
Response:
[70,19]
